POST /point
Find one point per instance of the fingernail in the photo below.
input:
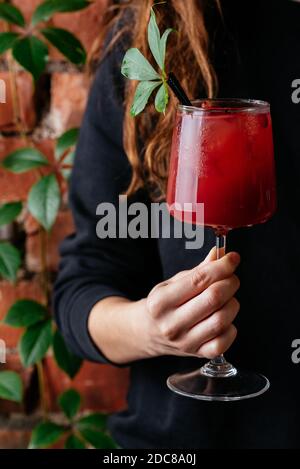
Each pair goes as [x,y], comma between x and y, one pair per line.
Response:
[234,257]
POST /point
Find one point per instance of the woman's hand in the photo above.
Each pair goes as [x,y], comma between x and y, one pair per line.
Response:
[192,313]
[189,315]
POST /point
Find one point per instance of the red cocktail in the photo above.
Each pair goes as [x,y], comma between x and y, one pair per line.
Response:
[222,158]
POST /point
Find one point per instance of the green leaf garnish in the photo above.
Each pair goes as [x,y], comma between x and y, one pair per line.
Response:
[161,99]
[142,94]
[163,44]
[136,67]
[154,40]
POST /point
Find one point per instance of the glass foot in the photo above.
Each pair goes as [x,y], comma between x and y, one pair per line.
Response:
[200,384]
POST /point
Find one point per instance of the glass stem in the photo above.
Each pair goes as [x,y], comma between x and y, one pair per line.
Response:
[218,367]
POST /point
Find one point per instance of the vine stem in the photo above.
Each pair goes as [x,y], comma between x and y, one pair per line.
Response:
[80,437]
[41,382]
[23,132]
[43,259]
[20,124]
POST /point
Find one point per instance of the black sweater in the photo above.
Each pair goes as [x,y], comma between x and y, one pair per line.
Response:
[256,57]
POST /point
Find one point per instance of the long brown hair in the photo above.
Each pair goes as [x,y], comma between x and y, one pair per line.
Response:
[187,55]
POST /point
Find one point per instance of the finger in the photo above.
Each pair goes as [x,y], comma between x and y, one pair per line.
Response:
[211,256]
[178,276]
[219,345]
[211,328]
[196,281]
[203,305]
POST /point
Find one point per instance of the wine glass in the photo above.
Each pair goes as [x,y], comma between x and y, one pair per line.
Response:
[222,156]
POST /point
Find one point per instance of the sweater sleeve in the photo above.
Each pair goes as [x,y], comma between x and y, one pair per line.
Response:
[91,268]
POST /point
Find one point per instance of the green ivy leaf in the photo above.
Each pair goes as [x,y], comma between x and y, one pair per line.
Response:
[46,434]
[25,313]
[44,201]
[10,261]
[66,142]
[48,8]
[35,342]
[7,41]
[94,421]
[9,212]
[73,442]
[161,99]
[11,14]
[142,95]
[98,440]
[67,44]
[66,360]
[24,159]
[32,54]
[69,402]
[11,387]
[154,40]
[69,160]
[136,67]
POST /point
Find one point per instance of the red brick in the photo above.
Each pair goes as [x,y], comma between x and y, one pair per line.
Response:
[47,148]
[63,227]
[8,295]
[26,101]
[85,24]
[31,226]
[14,187]
[69,95]
[103,387]
[14,439]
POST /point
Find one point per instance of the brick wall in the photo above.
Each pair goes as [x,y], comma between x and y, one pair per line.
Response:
[56,106]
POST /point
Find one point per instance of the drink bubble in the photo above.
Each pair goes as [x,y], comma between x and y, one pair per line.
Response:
[263,120]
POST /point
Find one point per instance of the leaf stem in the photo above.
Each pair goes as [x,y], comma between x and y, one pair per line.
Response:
[41,383]
[65,155]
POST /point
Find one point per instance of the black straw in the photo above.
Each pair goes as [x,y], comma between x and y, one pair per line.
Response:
[178,90]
